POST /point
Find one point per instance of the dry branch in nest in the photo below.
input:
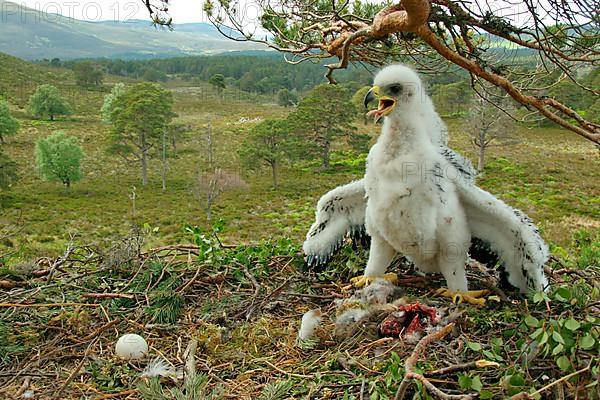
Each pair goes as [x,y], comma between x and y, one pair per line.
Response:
[411,362]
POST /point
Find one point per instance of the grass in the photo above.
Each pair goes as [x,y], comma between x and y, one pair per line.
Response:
[243,304]
[551,176]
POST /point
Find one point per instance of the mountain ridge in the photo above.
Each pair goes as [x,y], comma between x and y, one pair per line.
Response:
[33,35]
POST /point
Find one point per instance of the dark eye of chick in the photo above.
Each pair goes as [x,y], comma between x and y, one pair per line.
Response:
[395,89]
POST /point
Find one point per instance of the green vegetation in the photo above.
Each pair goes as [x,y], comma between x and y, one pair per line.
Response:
[264,73]
[218,82]
[140,117]
[8,124]
[8,170]
[323,116]
[58,158]
[86,73]
[287,98]
[107,107]
[47,102]
[240,307]
[268,142]
[237,286]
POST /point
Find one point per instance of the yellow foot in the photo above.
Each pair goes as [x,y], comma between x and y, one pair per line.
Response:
[471,296]
[362,281]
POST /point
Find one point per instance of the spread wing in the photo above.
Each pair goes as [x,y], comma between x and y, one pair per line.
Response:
[340,212]
[504,234]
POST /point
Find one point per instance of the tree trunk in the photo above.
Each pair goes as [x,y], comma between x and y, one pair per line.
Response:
[274,171]
[209,202]
[144,161]
[481,159]
[326,155]
[164,161]
[51,117]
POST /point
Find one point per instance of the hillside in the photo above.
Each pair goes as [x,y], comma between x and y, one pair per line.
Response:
[19,78]
[31,34]
[81,267]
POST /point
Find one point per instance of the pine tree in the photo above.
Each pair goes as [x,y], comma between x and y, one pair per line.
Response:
[268,143]
[140,117]
[322,117]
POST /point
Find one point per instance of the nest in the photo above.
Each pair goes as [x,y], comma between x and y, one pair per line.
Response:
[62,317]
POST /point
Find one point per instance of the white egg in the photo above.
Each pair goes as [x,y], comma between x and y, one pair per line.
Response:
[131,347]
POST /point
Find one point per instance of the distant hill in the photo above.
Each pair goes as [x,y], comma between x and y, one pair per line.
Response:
[19,78]
[31,34]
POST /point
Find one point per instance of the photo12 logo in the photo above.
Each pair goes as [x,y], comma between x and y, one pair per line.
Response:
[68,11]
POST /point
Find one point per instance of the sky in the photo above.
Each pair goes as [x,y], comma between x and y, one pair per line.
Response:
[182,11]
[185,11]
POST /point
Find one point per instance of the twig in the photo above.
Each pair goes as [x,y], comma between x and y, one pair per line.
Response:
[76,370]
[104,327]
[285,372]
[114,395]
[410,363]
[461,367]
[61,260]
[251,278]
[192,247]
[184,286]
[548,386]
[108,295]
[24,386]
[49,305]
[190,361]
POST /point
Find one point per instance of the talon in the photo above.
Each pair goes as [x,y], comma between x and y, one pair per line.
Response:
[363,281]
[472,297]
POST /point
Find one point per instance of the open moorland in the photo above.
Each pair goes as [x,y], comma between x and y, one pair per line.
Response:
[80,266]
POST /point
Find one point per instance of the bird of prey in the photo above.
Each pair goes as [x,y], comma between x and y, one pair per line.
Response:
[418,198]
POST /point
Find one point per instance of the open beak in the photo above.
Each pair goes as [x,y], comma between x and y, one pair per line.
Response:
[386,104]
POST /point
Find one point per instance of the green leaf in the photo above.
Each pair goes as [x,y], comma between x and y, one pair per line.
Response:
[572,324]
[563,294]
[543,339]
[464,381]
[557,337]
[476,384]
[486,394]
[587,342]
[516,380]
[489,354]
[538,297]
[558,349]
[474,346]
[532,321]
[537,333]
[563,363]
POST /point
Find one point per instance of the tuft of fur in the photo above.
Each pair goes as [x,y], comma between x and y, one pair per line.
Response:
[159,367]
[310,322]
